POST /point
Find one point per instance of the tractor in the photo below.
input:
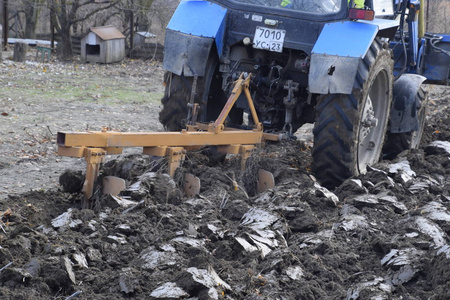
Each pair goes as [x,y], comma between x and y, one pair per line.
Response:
[356,69]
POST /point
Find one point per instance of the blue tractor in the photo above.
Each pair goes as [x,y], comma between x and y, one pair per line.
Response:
[356,70]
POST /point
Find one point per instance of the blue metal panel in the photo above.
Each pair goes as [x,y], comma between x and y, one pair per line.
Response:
[347,38]
[436,64]
[445,38]
[200,18]
[382,23]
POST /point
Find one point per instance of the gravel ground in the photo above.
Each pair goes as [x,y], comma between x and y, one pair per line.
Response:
[38,100]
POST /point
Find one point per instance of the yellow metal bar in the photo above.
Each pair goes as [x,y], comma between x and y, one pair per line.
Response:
[252,109]
[229,149]
[235,93]
[174,139]
[245,151]
[88,185]
[155,139]
[81,151]
[273,137]
[155,151]
[197,127]
[175,155]
[216,128]
[71,151]
[229,105]
[114,150]
[83,139]
[94,157]
[421,26]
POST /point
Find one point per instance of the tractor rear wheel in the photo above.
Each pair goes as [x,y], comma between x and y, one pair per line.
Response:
[349,129]
[175,100]
[209,95]
[396,143]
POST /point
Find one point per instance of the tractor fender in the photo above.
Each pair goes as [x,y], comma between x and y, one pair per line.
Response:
[339,50]
[406,103]
[193,29]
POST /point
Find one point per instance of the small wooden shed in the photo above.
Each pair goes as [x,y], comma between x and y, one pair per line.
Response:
[103,44]
[141,38]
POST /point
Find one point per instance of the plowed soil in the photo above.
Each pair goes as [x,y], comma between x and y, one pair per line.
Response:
[382,235]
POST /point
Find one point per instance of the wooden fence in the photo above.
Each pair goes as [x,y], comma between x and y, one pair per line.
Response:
[76,45]
[153,51]
[76,41]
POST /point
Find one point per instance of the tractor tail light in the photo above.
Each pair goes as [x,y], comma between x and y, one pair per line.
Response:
[361,14]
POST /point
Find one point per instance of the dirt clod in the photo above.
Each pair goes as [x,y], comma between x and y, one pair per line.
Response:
[381,235]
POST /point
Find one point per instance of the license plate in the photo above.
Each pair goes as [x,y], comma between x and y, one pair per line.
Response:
[269,39]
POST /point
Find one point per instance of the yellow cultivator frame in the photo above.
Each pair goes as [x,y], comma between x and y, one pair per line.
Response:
[94,145]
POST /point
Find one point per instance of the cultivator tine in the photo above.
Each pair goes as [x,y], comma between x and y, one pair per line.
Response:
[175,155]
[191,185]
[113,185]
[265,180]
[94,157]
[245,151]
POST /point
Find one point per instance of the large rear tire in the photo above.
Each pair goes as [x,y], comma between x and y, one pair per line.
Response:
[209,95]
[396,143]
[175,100]
[349,130]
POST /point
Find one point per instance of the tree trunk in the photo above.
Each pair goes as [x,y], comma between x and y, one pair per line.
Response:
[1,42]
[5,24]
[31,13]
[131,30]
[144,22]
[20,51]
[65,45]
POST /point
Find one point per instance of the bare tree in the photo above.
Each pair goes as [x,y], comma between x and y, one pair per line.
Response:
[140,10]
[136,13]
[163,10]
[31,9]
[64,15]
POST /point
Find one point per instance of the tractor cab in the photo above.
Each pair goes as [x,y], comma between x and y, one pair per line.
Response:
[297,6]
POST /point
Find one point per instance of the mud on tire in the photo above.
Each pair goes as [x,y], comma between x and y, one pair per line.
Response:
[175,101]
[349,129]
[396,143]
[209,95]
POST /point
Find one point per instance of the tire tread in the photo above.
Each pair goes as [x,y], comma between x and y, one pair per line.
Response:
[334,130]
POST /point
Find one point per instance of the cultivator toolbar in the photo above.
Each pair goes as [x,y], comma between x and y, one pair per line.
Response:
[93,146]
